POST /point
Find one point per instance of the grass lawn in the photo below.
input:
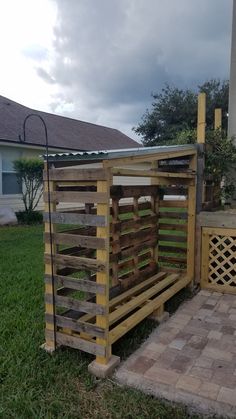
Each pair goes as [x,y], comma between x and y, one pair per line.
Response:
[36,385]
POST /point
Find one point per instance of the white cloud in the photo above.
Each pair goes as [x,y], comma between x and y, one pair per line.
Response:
[26,37]
[100,60]
[110,55]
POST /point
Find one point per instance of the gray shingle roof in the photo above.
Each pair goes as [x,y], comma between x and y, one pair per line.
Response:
[64,133]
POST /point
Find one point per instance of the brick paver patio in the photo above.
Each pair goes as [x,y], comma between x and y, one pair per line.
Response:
[192,357]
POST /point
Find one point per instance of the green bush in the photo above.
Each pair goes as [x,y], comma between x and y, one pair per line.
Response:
[29,217]
[220,157]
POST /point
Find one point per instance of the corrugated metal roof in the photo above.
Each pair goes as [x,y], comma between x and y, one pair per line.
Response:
[112,154]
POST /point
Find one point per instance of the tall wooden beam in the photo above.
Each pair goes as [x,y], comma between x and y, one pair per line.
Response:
[102,278]
[218,119]
[201,118]
[191,226]
[50,344]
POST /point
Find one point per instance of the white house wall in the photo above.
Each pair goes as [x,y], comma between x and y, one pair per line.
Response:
[15,201]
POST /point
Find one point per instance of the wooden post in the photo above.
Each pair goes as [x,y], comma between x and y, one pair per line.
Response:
[205,258]
[218,119]
[103,277]
[50,344]
[191,226]
[115,238]
[198,242]
[201,118]
[201,137]
[155,208]
[135,217]
[159,314]
[217,186]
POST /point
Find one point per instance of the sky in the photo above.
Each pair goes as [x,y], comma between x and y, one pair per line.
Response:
[100,60]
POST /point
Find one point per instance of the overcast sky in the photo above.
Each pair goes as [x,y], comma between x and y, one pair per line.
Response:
[100,60]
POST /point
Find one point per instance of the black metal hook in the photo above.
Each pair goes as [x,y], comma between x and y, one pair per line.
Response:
[49,205]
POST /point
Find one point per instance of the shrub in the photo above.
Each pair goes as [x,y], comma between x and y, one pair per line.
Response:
[29,217]
[30,174]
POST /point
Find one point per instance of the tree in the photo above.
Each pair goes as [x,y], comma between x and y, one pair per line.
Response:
[30,176]
[220,161]
[174,111]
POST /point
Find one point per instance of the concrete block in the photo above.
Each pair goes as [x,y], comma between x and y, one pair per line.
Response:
[49,349]
[160,318]
[103,371]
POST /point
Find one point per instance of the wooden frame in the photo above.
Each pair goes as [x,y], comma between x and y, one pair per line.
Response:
[218,238]
[117,262]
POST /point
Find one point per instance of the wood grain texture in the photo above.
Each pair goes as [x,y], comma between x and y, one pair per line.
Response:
[174,203]
[74,304]
[122,328]
[77,262]
[103,278]
[73,218]
[141,299]
[217,219]
[76,325]
[118,191]
[78,343]
[75,174]
[76,196]
[151,173]
[76,240]
[77,284]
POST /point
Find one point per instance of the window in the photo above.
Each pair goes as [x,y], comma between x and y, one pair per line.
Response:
[10,185]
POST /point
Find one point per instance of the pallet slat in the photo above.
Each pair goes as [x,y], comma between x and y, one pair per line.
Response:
[174,227]
[76,196]
[130,239]
[172,259]
[75,174]
[152,173]
[129,208]
[146,310]
[174,203]
[76,284]
[77,343]
[77,251]
[121,226]
[137,288]
[118,191]
[70,218]
[172,238]
[78,305]
[76,262]
[130,251]
[128,280]
[172,249]
[76,325]
[173,214]
[130,263]
[140,299]
[121,298]
[77,240]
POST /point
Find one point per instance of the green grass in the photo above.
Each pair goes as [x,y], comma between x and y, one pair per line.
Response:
[36,385]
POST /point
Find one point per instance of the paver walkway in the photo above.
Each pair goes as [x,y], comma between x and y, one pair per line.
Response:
[192,357]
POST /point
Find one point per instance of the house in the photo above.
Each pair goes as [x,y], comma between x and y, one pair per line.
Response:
[64,135]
